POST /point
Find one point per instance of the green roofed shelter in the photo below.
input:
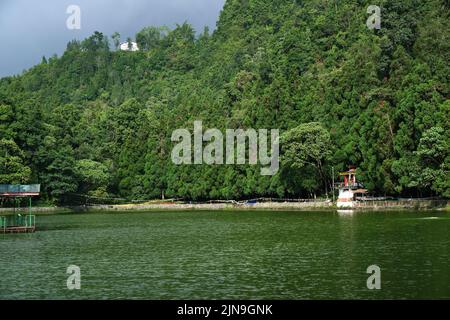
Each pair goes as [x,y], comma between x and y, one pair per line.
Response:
[17,223]
[19,190]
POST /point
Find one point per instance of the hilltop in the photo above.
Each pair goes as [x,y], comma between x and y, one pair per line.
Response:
[98,121]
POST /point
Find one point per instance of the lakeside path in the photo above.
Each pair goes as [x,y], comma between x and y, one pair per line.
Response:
[184,206]
[415,204]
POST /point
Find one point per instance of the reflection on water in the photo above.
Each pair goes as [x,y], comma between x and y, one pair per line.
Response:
[346,212]
[230,255]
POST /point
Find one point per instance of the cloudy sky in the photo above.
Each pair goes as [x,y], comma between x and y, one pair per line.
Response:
[30,29]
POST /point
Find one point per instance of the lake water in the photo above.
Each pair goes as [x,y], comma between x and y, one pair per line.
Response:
[230,255]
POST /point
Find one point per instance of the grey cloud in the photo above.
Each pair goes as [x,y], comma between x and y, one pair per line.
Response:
[31,29]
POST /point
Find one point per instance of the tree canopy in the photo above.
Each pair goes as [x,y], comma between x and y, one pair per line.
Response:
[99,121]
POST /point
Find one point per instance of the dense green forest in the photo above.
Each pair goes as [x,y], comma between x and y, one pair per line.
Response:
[98,121]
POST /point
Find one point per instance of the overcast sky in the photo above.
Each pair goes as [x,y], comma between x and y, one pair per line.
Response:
[30,29]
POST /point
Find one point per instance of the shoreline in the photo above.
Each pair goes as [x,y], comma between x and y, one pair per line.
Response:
[410,204]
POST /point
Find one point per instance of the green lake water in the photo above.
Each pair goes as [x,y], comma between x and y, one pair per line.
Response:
[230,255]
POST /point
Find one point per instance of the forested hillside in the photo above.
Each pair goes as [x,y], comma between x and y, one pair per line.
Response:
[98,121]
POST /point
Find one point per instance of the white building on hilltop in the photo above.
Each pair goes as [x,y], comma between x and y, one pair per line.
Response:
[132,46]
